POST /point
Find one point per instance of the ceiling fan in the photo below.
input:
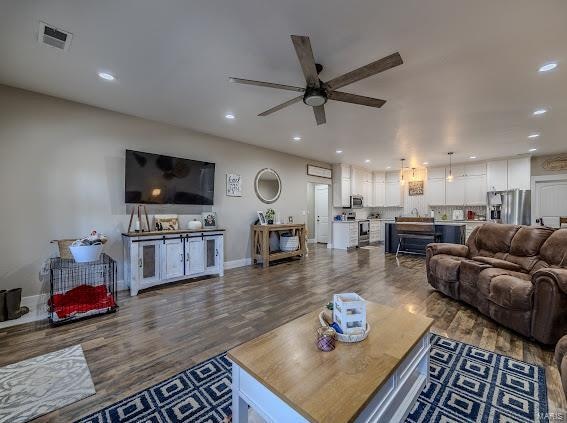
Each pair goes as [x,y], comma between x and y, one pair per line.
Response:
[316,92]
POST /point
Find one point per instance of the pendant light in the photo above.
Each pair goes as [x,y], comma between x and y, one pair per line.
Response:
[413,173]
[450,176]
[402,171]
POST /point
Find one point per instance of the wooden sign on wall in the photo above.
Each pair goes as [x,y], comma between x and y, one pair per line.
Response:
[556,163]
[415,188]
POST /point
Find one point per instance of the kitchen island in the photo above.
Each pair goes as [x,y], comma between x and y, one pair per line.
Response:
[454,233]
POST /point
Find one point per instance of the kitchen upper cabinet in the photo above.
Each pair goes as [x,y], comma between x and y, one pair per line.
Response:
[475,169]
[367,194]
[394,193]
[475,190]
[455,191]
[435,188]
[341,185]
[519,172]
[497,175]
[379,197]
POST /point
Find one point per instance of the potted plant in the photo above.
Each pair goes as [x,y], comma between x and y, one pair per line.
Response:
[270,214]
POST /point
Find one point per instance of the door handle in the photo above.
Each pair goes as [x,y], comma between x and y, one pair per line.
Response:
[187,257]
[181,256]
[140,264]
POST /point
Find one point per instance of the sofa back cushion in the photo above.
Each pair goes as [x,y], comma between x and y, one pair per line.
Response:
[495,238]
[529,239]
[554,249]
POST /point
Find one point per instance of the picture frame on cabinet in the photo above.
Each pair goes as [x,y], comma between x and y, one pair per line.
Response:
[262,218]
[209,220]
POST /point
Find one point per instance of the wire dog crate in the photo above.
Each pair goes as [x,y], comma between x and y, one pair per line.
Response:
[80,290]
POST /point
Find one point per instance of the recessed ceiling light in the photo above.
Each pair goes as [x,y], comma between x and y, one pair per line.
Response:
[388,167]
[531,150]
[547,67]
[339,151]
[426,163]
[539,112]
[472,157]
[297,138]
[532,136]
[229,116]
[106,76]
[367,161]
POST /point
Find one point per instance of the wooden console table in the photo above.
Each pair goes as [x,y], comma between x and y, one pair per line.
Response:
[261,242]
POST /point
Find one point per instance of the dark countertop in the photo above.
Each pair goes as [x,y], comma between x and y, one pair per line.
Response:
[177,232]
[454,233]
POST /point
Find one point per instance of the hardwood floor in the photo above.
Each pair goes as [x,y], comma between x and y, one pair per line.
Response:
[164,331]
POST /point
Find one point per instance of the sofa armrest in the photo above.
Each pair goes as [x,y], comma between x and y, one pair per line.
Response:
[558,275]
[458,250]
[549,320]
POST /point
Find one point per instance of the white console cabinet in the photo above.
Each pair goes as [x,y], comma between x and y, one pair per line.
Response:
[155,258]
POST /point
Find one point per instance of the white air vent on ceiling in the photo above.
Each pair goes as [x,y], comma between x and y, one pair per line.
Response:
[54,37]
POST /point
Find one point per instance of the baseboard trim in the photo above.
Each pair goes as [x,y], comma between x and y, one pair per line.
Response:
[233,264]
[38,303]
[38,311]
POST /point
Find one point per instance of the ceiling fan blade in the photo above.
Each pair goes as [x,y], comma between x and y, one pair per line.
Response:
[365,71]
[306,60]
[281,106]
[266,84]
[320,114]
[355,99]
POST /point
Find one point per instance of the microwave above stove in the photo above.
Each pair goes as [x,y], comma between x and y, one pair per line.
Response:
[356,202]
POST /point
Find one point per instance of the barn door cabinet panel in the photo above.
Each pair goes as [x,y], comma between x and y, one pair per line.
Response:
[155,258]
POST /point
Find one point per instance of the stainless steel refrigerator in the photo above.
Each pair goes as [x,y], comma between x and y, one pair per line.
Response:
[513,207]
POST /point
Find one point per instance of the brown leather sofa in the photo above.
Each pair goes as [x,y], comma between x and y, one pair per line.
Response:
[517,275]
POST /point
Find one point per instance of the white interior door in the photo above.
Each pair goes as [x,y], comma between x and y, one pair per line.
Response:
[322,213]
[549,200]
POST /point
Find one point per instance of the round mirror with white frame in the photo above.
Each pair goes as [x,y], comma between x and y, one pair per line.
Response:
[268,185]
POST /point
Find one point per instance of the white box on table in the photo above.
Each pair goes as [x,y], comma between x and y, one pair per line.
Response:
[349,312]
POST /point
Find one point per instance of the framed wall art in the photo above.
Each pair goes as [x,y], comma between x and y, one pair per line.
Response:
[233,185]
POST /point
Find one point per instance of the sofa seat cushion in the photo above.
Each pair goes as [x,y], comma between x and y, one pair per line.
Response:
[445,267]
[511,292]
[486,276]
[502,264]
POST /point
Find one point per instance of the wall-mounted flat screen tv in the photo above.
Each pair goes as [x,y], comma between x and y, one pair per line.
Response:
[158,179]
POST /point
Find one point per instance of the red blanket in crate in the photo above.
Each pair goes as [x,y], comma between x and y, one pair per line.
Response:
[82,299]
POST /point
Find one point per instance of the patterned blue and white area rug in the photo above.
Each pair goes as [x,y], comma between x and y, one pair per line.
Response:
[467,384]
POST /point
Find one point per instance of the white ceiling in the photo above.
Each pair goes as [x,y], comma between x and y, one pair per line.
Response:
[469,82]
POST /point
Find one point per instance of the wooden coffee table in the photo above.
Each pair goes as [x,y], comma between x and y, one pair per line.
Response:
[285,378]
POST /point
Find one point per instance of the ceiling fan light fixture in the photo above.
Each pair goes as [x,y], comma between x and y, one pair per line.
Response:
[314,97]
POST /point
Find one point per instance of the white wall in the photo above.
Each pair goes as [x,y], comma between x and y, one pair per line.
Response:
[62,175]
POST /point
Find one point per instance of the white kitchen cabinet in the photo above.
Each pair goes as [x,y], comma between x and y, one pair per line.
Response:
[435,188]
[393,195]
[475,169]
[475,190]
[151,259]
[367,194]
[436,173]
[393,190]
[172,258]
[379,189]
[519,172]
[455,191]
[497,175]
[345,235]
[341,185]
[374,235]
